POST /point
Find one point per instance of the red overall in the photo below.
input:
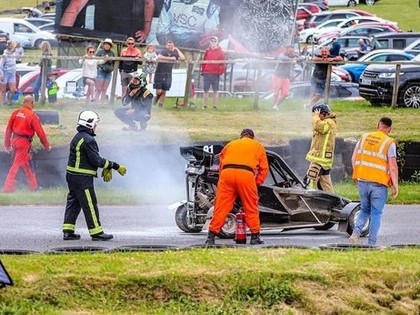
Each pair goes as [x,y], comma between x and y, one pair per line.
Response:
[243,166]
[22,126]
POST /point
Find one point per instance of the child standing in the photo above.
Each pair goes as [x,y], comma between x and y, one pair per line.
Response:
[52,88]
[150,62]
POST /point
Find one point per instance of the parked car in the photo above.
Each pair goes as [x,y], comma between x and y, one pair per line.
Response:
[377,84]
[348,3]
[311,7]
[27,81]
[380,55]
[364,29]
[50,27]
[319,18]
[38,21]
[394,40]
[339,90]
[322,4]
[413,48]
[307,34]
[284,199]
[19,28]
[368,2]
[354,20]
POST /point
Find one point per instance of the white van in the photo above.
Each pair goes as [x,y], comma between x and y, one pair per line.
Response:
[28,35]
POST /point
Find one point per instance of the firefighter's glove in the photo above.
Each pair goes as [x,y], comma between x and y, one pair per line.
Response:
[107,175]
[122,170]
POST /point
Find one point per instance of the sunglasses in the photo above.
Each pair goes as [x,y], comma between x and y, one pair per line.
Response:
[130,44]
[91,51]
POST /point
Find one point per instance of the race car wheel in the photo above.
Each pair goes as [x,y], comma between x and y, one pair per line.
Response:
[181,220]
[325,227]
[352,3]
[352,222]
[228,230]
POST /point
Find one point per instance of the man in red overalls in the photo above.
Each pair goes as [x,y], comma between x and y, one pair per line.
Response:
[22,126]
[243,167]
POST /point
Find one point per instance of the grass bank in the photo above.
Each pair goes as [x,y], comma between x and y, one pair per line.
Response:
[222,281]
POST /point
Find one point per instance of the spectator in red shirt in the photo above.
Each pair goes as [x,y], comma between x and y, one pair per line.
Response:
[21,128]
[129,66]
[212,71]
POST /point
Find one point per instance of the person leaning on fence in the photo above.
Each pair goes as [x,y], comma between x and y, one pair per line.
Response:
[319,75]
[104,71]
[89,72]
[375,169]
[45,62]
[163,75]
[129,66]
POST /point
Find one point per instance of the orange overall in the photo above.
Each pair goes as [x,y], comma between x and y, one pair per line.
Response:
[243,167]
[22,126]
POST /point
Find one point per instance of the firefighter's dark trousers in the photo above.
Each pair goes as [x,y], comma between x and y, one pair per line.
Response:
[81,195]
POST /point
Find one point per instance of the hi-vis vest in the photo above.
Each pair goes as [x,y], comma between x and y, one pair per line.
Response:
[371,162]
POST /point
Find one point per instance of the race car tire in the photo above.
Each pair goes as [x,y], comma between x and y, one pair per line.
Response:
[325,227]
[352,222]
[181,220]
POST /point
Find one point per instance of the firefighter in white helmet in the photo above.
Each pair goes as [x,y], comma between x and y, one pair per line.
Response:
[84,161]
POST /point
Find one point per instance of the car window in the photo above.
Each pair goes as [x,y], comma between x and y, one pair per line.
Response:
[379,58]
[396,58]
[353,42]
[399,43]
[381,43]
[21,28]
[341,91]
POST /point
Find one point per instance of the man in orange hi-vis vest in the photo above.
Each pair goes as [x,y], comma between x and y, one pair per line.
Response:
[243,167]
[375,169]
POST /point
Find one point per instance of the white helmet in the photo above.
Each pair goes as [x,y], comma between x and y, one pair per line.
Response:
[88,119]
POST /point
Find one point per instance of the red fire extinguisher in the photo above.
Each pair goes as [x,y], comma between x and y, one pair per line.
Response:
[240,230]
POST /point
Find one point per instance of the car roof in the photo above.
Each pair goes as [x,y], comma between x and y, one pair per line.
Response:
[394,34]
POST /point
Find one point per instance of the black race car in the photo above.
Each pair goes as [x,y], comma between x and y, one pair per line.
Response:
[285,201]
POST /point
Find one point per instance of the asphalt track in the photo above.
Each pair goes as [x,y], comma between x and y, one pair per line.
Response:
[38,228]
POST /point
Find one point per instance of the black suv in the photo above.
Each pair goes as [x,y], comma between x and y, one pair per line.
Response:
[377,83]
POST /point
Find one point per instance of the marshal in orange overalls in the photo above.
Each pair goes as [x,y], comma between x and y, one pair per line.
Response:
[243,167]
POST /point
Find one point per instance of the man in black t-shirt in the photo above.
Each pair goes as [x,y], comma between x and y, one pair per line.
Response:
[163,74]
[319,76]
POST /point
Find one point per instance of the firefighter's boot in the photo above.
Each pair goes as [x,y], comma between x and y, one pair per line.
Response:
[210,239]
[256,239]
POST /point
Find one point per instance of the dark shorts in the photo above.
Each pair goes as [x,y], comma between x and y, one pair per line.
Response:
[162,82]
[104,76]
[211,80]
[318,86]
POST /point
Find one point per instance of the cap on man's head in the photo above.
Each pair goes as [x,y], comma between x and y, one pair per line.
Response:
[248,133]
[108,41]
[214,40]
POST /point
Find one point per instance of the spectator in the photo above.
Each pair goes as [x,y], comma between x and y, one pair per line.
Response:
[52,88]
[319,75]
[188,23]
[19,52]
[104,71]
[212,71]
[89,72]
[128,66]
[150,62]
[335,48]
[281,76]
[21,128]
[140,99]
[243,167]
[8,73]
[163,75]
[321,153]
[44,62]
[375,169]
[362,49]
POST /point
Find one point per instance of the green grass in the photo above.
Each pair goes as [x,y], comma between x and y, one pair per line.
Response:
[223,281]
